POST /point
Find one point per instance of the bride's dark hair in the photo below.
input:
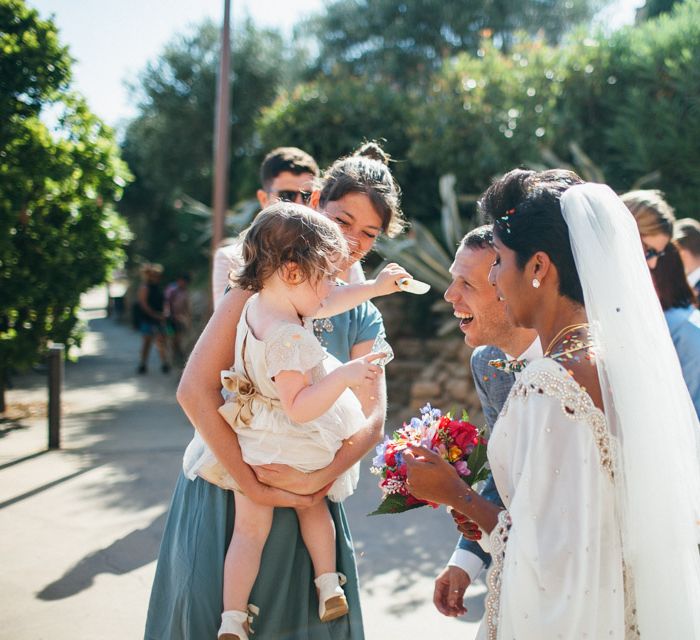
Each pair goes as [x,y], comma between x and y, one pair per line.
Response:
[526,214]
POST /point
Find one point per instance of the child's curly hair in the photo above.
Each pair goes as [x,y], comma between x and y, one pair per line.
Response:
[286,232]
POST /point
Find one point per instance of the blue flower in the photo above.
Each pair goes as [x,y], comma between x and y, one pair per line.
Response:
[416,423]
[378,460]
[428,414]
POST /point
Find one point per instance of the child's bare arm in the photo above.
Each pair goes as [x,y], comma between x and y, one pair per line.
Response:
[302,401]
[348,297]
[373,398]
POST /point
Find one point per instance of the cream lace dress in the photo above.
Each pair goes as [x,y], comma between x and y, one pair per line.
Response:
[557,560]
[271,436]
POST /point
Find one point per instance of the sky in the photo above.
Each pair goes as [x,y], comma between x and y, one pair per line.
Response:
[111,41]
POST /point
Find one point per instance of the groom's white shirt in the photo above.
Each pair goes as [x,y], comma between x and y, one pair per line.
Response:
[466,560]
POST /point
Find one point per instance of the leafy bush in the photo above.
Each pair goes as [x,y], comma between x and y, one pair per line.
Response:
[59,233]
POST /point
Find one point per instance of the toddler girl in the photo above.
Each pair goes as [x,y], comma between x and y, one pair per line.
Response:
[288,400]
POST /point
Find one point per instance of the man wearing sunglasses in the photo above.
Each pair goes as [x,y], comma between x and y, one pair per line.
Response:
[286,173]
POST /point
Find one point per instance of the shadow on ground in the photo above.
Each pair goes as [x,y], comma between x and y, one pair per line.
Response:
[126,554]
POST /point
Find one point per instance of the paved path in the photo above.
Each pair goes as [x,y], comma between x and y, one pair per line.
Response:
[80,527]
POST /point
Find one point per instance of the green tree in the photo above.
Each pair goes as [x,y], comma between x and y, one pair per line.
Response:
[169,144]
[59,233]
[406,40]
[632,102]
[485,114]
[653,8]
[332,116]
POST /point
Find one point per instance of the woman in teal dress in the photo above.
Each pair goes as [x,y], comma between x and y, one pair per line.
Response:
[361,196]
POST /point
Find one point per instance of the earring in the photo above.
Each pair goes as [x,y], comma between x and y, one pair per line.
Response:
[535,283]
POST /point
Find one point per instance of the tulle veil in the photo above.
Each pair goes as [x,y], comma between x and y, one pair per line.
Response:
[648,410]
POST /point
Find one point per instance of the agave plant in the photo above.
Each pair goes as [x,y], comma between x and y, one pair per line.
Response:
[421,253]
[584,166]
[235,219]
[429,259]
[424,255]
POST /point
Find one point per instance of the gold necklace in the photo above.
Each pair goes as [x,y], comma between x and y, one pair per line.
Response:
[571,327]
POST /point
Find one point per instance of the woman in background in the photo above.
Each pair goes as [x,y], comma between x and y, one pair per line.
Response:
[654,218]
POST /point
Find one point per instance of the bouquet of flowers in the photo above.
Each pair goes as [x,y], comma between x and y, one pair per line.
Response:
[457,441]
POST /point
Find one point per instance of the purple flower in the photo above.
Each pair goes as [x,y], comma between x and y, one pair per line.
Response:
[462,468]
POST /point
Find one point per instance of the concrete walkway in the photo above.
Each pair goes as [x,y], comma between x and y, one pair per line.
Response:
[80,527]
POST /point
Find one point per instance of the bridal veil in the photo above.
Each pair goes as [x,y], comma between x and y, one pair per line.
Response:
[649,411]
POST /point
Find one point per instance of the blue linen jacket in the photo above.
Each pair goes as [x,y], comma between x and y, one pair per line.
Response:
[492,387]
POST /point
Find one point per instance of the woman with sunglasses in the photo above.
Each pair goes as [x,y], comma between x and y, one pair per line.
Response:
[678,300]
[654,218]
[360,195]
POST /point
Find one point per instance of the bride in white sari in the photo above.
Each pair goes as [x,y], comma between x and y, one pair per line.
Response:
[595,453]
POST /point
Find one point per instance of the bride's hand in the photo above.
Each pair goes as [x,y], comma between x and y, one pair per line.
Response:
[432,478]
[284,477]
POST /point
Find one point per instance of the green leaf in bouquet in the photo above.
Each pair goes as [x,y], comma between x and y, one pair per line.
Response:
[394,503]
[477,464]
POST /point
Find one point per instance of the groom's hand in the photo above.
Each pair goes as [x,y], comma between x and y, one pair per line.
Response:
[450,586]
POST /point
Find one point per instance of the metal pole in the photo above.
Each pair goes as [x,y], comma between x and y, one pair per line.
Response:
[222,133]
[56,352]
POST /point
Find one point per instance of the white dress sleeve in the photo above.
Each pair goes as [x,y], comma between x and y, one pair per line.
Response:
[292,348]
[562,569]
[225,259]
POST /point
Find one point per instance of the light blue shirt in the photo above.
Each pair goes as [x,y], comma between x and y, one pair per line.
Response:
[340,333]
[684,325]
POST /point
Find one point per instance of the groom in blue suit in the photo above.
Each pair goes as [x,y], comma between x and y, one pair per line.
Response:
[486,327]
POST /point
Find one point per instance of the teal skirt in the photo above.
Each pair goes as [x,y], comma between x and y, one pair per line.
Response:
[186,599]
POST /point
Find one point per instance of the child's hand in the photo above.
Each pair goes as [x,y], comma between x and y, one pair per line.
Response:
[385,282]
[361,370]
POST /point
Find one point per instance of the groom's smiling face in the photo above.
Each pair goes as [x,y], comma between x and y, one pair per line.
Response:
[482,316]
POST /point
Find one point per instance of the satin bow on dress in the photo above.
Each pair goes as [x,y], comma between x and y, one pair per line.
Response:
[238,408]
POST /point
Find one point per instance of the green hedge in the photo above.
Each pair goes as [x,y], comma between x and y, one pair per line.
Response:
[629,100]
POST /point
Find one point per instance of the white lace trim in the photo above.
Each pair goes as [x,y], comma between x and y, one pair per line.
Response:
[498,539]
[576,404]
[631,628]
[292,348]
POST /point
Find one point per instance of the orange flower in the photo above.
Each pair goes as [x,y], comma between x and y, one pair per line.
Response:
[455,453]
